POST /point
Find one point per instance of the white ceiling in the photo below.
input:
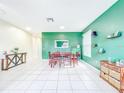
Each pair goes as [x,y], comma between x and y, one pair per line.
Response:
[74,15]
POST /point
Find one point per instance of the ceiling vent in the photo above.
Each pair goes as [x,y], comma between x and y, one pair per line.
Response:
[50,19]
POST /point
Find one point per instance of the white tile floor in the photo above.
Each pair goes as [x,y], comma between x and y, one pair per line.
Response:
[38,77]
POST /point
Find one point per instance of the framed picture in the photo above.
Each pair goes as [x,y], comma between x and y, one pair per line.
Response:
[61,44]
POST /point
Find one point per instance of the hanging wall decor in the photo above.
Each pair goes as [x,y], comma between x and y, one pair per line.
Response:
[95,45]
[94,33]
[101,51]
[61,43]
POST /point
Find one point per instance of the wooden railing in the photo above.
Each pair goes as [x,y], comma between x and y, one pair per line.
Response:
[12,60]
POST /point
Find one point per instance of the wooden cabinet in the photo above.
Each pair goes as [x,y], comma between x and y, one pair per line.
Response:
[113,74]
[114,82]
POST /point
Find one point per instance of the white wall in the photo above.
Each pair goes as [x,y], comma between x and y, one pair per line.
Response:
[11,37]
[41,44]
[37,47]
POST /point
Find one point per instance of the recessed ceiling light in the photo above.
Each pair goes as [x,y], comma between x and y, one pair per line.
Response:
[28,28]
[62,27]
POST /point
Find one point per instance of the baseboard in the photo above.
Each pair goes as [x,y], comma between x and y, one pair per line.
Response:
[90,66]
[45,60]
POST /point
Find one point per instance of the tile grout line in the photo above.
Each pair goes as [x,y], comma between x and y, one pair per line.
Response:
[70,81]
[58,80]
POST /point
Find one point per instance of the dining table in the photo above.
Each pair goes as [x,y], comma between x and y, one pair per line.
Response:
[63,58]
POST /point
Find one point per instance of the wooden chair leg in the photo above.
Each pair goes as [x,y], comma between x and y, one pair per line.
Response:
[2,64]
[73,64]
[51,65]
[70,63]
[59,64]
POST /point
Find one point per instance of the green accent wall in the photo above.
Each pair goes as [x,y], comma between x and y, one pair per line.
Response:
[111,21]
[48,39]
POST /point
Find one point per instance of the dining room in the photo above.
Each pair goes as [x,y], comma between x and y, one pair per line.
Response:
[61,46]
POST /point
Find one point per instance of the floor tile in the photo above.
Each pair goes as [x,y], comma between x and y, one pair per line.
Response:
[16,91]
[91,85]
[80,91]
[38,85]
[51,85]
[48,91]
[38,77]
[33,91]
[77,85]
[74,77]
[65,85]
[63,77]
[64,91]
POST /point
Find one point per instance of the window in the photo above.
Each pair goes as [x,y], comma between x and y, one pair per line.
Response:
[87,43]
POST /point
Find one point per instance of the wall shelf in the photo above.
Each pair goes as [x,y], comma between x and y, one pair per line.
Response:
[101,51]
[114,35]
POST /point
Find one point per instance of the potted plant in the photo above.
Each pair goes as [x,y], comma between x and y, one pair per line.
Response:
[15,50]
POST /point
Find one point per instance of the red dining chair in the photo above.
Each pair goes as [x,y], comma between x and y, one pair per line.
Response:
[78,56]
[67,59]
[54,58]
[57,57]
[74,59]
[52,61]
